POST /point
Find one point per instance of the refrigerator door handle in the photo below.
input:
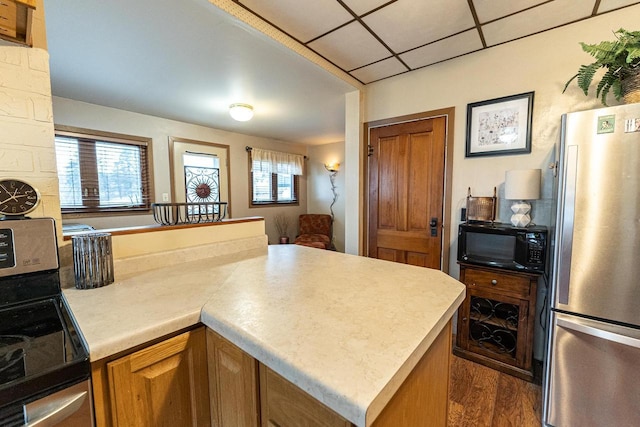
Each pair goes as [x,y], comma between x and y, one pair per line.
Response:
[598,333]
[568,213]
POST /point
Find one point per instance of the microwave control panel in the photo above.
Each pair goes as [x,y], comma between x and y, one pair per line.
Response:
[535,249]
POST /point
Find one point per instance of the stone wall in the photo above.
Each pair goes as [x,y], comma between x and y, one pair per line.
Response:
[26,125]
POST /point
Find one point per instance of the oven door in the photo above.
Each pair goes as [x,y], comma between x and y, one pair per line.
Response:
[69,407]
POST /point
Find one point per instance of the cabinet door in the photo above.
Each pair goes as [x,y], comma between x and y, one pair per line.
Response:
[285,405]
[233,384]
[497,326]
[162,385]
[496,319]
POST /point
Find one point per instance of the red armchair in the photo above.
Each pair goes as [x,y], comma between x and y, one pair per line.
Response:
[315,231]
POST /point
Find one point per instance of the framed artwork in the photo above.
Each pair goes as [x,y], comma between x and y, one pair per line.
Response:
[500,126]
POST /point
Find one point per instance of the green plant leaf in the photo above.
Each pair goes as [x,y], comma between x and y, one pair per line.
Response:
[585,76]
[634,53]
[566,85]
[603,52]
[603,90]
[617,89]
[617,57]
[603,99]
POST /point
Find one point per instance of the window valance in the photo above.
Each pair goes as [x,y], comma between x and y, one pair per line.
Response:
[276,162]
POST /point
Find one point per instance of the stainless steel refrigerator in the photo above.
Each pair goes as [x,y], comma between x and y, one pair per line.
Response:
[593,348]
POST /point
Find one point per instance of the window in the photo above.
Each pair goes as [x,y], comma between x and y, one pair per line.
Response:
[274,188]
[202,181]
[274,177]
[201,177]
[100,173]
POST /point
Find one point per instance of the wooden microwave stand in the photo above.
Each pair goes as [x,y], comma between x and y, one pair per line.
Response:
[496,319]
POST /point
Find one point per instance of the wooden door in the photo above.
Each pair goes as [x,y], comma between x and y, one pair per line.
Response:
[162,385]
[406,191]
[233,381]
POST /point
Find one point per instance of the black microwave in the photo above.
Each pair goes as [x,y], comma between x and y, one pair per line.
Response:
[503,246]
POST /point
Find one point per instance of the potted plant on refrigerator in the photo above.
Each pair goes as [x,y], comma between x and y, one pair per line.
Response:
[621,60]
[282,225]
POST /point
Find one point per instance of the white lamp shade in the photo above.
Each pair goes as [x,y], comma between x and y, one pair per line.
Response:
[241,112]
[522,184]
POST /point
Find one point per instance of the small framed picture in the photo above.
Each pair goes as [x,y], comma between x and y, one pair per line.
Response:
[500,126]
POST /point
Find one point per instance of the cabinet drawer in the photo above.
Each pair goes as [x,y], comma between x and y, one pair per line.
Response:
[498,282]
[8,16]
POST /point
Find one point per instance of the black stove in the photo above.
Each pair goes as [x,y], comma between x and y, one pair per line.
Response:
[41,351]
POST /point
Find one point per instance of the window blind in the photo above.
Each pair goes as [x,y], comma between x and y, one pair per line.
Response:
[96,174]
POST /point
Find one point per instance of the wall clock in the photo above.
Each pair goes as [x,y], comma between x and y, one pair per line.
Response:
[17,197]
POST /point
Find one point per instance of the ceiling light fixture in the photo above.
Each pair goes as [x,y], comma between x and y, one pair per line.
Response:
[241,112]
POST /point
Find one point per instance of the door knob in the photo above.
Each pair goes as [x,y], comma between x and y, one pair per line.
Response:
[433,224]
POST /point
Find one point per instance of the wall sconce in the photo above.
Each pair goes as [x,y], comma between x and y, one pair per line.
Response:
[333,168]
[522,185]
[241,112]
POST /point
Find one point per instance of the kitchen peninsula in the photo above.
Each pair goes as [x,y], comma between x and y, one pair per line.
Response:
[346,330]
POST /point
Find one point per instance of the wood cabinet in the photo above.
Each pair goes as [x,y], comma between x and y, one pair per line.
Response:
[16,19]
[245,393]
[496,319]
[198,378]
[421,400]
[283,405]
[164,384]
[232,383]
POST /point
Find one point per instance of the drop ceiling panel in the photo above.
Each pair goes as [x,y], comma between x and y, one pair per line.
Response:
[350,47]
[451,47]
[419,31]
[302,20]
[379,70]
[535,20]
[407,24]
[607,5]
[488,10]
[360,7]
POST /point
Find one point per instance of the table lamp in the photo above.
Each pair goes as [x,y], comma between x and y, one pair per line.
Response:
[522,185]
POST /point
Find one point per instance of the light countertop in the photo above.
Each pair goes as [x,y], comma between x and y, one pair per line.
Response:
[346,329]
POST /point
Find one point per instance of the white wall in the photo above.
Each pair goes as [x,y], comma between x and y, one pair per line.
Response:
[83,115]
[319,187]
[353,183]
[541,63]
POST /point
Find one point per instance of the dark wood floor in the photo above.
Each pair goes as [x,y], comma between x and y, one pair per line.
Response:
[483,397]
